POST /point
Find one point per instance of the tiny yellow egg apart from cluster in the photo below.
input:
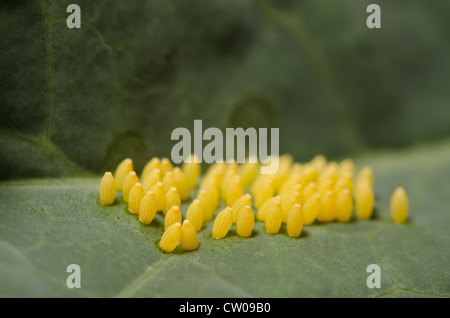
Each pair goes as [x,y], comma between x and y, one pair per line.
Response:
[344,206]
[151,178]
[154,163]
[160,195]
[222,223]
[245,221]
[170,238]
[107,191]
[130,180]
[181,184]
[274,217]
[172,216]
[134,198]
[239,205]
[189,239]
[399,206]
[311,209]
[328,209]
[192,170]
[147,208]
[261,214]
[172,198]
[121,172]
[195,214]
[364,200]
[294,224]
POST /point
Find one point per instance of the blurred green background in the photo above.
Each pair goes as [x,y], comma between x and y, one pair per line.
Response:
[76,101]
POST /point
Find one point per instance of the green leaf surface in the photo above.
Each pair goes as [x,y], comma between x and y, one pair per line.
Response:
[47,224]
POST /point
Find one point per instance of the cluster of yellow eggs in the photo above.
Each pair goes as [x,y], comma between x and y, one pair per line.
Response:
[297,195]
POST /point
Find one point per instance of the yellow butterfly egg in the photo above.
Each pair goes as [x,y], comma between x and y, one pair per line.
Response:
[130,180]
[319,162]
[308,191]
[189,238]
[261,214]
[204,199]
[245,222]
[235,190]
[195,214]
[239,205]
[288,185]
[339,186]
[328,208]
[165,166]
[248,172]
[121,172]
[344,205]
[216,171]
[160,195]
[154,163]
[107,189]
[310,174]
[147,209]
[172,216]
[274,217]
[365,173]
[213,200]
[294,224]
[296,169]
[151,178]
[170,238]
[311,209]
[192,170]
[331,172]
[222,223]
[264,192]
[230,173]
[285,164]
[134,198]
[287,202]
[172,198]
[169,181]
[346,167]
[364,200]
[399,206]
[325,185]
[181,184]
